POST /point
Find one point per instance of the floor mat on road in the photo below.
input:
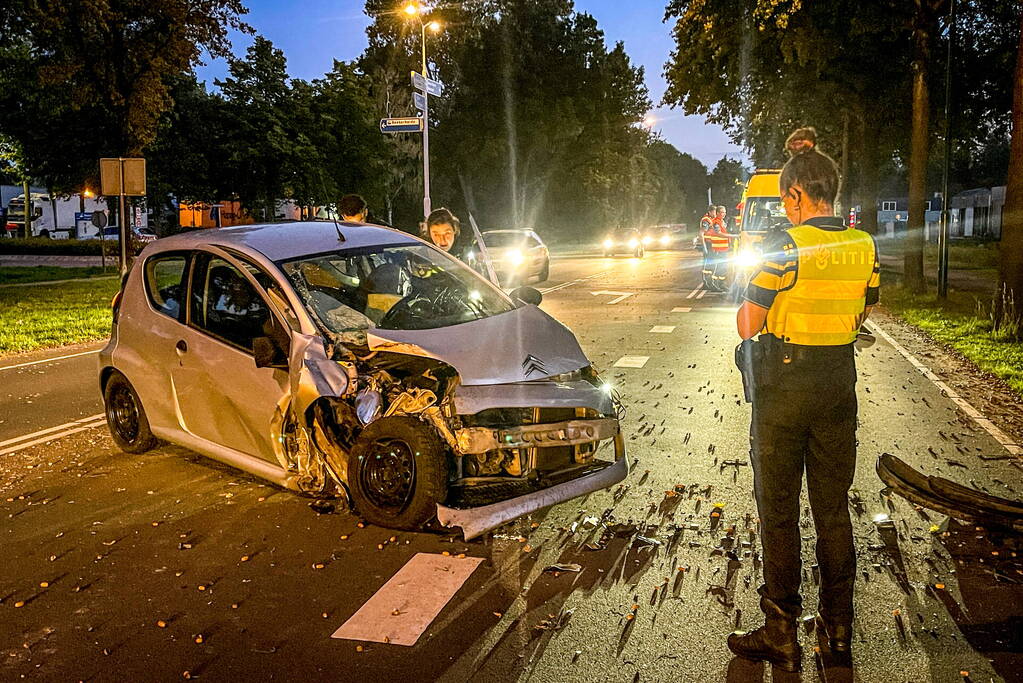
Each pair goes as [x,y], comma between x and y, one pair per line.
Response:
[401,611]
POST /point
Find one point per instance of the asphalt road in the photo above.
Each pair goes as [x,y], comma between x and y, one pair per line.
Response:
[166,565]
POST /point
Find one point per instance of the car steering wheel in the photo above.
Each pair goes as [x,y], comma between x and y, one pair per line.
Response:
[412,307]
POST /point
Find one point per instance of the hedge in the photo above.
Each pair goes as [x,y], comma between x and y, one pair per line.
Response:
[42,245]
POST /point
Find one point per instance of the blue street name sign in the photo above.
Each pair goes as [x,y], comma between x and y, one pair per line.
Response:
[419,101]
[406,125]
[428,85]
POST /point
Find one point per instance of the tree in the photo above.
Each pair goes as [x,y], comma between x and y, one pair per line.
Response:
[100,74]
[727,181]
[1009,300]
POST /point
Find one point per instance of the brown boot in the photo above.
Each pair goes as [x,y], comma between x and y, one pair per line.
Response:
[776,641]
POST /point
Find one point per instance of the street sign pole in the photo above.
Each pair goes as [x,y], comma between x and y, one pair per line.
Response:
[122,219]
[427,204]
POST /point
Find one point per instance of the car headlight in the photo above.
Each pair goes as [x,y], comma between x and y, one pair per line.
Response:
[665,239]
[748,258]
[633,243]
[516,257]
[608,243]
[648,239]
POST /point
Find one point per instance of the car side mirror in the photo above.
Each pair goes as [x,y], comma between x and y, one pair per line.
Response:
[268,353]
[528,295]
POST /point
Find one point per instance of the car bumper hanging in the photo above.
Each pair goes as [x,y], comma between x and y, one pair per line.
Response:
[479,520]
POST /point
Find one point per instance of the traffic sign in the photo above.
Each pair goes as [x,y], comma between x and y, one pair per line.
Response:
[419,100]
[407,125]
[428,85]
[133,171]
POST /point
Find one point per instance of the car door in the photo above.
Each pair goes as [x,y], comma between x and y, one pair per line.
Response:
[222,396]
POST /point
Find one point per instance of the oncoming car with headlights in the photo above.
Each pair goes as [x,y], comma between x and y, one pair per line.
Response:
[623,241]
[517,255]
[358,360]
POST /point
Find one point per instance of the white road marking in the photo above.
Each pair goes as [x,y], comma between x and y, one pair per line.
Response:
[401,611]
[681,309]
[573,282]
[631,361]
[44,435]
[701,294]
[693,293]
[47,360]
[662,329]
[978,417]
[619,296]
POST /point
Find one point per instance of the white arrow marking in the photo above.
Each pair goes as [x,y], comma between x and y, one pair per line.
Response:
[619,296]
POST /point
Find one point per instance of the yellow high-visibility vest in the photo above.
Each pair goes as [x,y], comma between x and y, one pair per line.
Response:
[824,306]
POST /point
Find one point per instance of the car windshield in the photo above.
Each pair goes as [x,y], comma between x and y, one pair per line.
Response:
[504,239]
[764,214]
[406,287]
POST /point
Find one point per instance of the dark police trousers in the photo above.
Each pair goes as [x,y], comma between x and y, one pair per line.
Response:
[804,418]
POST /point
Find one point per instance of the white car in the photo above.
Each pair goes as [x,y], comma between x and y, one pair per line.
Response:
[518,255]
[359,360]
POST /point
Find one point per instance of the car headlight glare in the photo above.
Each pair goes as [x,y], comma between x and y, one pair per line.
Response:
[665,239]
[648,239]
[516,257]
[608,243]
[748,258]
[633,243]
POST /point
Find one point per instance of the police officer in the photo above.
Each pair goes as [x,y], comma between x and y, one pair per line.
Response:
[807,301]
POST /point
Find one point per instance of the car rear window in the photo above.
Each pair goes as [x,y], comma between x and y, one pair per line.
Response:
[163,276]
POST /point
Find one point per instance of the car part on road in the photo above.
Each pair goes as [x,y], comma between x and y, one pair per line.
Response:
[126,417]
[948,497]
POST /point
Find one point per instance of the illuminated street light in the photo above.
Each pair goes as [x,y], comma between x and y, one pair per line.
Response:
[413,10]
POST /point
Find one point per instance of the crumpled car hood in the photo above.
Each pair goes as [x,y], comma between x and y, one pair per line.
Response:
[518,346]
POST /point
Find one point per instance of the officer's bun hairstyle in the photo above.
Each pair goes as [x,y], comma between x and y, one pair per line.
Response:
[801,140]
[815,172]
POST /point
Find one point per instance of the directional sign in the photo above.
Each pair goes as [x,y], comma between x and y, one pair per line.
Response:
[420,82]
[407,125]
[419,100]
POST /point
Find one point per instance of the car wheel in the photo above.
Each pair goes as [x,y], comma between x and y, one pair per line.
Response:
[545,273]
[398,473]
[44,233]
[126,417]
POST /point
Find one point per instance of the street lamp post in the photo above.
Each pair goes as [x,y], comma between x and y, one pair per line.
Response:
[943,230]
[413,10]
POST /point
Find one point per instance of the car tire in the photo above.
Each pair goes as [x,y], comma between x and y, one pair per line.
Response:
[545,273]
[126,418]
[398,472]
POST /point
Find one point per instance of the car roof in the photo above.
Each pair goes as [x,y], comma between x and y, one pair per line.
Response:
[283,241]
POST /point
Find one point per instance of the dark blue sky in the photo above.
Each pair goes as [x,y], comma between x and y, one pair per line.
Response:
[314,32]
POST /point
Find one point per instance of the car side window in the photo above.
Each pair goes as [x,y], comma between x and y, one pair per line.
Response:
[164,276]
[226,306]
[273,289]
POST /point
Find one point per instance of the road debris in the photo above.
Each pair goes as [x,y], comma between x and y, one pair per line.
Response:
[562,568]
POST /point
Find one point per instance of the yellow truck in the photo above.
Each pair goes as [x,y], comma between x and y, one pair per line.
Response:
[761,214]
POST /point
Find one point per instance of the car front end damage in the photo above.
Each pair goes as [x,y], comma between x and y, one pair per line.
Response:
[510,449]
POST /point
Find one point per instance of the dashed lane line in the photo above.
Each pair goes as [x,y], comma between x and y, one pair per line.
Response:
[47,360]
[43,435]
[618,296]
[693,293]
[701,294]
[662,329]
[987,425]
[681,309]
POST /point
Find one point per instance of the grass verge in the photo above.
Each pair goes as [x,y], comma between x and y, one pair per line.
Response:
[10,275]
[962,322]
[44,317]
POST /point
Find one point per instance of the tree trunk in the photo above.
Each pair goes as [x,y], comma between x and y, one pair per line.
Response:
[1009,298]
[913,267]
[868,176]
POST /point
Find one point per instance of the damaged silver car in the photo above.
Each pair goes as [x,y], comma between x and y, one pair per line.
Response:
[339,358]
